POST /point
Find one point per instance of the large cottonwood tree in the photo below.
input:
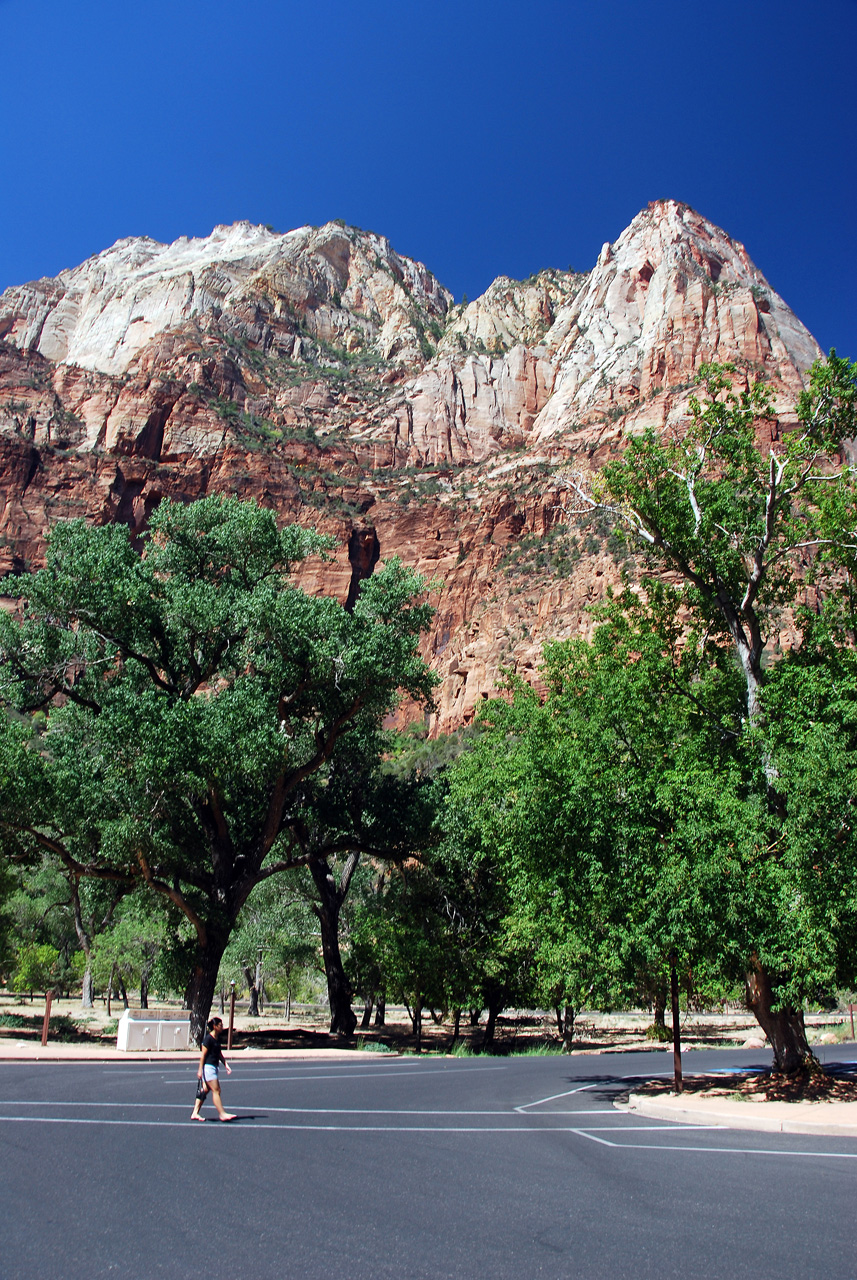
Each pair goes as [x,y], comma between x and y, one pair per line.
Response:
[749,517]
[166,710]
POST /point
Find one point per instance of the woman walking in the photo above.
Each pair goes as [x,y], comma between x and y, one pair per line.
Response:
[210,1059]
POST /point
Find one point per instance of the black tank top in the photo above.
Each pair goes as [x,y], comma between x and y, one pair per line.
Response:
[214,1056]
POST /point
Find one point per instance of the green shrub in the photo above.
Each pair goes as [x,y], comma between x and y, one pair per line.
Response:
[657,1031]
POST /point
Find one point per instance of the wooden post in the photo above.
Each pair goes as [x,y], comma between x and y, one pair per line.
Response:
[676,1026]
[49,995]
[231,1013]
[851,1011]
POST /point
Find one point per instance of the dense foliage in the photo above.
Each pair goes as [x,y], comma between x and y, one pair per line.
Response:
[165,712]
[185,725]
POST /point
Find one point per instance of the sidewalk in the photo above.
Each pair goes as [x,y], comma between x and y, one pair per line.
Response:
[838,1119]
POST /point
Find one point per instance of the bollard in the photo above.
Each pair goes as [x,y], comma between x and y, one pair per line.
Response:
[49,995]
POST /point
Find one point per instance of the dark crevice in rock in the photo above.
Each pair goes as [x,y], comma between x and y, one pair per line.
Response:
[364,550]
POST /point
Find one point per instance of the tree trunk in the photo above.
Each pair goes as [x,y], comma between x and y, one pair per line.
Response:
[87,995]
[568,1029]
[366,1020]
[199,995]
[495,1007]
[558,1015]
[677,1072]
[144,987]
[250,979]
[474,1017]
[784,1027]
[381,1009]
[456,1025]
[343,1020]
[660,1007]
[417,1021]
[122,991]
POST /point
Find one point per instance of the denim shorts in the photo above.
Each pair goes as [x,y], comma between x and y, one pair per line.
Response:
[209,1073]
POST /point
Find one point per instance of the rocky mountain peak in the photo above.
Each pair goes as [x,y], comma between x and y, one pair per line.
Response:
[346,287]
[322,373]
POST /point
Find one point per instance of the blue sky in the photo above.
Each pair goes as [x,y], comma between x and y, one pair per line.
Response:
[483,139]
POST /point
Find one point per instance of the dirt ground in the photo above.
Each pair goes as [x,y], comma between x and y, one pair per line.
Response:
[516,1032]
[761,1087]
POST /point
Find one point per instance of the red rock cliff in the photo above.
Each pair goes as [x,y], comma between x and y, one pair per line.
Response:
[323,374]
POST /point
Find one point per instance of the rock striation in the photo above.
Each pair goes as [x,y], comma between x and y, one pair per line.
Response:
[335,380]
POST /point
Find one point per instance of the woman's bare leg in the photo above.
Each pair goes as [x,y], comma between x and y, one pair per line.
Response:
[214,1090]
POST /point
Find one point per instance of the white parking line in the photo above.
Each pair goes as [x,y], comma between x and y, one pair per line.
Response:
[592,1133]
[353,1075]
[320,1111]
[469,1130]
[312,1128]
[553,1097]
[725,1151]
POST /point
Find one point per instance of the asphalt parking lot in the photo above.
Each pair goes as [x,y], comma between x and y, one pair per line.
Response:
[405,1167]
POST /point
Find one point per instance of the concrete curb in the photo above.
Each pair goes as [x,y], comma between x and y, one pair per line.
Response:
[749,1115]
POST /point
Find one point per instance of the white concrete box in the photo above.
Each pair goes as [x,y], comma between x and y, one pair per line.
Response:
[154,1030]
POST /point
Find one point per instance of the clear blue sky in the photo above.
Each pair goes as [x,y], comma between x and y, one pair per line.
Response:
[483,139]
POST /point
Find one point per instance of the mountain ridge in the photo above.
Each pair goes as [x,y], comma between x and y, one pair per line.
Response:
[324,374]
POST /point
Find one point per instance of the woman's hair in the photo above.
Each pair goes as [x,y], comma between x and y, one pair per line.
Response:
[214,1022]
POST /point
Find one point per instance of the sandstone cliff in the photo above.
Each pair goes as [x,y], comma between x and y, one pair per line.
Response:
[326,375]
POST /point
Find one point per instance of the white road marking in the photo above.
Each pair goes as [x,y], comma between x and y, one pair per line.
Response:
[435,1129]
[553,1097]
[353,1075]
[310,1128]
[727,1151]
[319,1111]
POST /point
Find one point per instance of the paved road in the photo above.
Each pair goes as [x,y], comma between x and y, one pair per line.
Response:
[408,1168]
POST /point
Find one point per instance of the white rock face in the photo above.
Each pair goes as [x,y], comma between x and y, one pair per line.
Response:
[510,312]
[102,314]
[672,293]
[529,363]
[467,409]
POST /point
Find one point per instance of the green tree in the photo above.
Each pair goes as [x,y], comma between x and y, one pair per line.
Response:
[189,694]
[573,799]
[38,968]
[125,951]
[40,913]
[746,529]
[402,929]
[274,942]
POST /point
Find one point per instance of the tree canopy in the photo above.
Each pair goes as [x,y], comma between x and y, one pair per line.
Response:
[165,710]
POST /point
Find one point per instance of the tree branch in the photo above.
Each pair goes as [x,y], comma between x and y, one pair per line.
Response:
[175,896]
